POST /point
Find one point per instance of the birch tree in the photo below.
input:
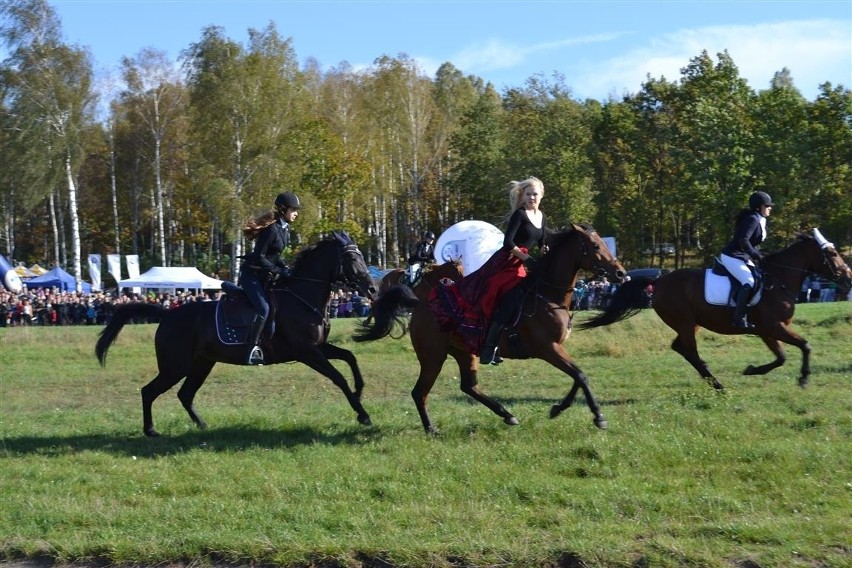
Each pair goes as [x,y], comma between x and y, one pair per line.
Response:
[52,101]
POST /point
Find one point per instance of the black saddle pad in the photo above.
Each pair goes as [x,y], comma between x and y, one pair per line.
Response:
[233,318]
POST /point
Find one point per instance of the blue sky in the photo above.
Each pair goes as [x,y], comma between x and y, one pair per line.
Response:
[602,48]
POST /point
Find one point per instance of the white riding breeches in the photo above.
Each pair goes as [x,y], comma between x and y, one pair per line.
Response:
[413,270]
[739,269]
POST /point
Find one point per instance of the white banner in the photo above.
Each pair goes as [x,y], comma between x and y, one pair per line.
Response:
[132,265]
[95,271]
[114,265]
[133,269]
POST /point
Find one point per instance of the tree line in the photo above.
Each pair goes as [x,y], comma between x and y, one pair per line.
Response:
[167,159]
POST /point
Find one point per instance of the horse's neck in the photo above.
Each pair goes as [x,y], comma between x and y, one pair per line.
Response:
[559,290]
[788,267]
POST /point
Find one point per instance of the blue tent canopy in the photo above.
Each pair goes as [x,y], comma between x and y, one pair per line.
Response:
[58,278]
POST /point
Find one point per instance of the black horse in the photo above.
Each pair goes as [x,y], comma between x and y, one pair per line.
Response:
[188,342]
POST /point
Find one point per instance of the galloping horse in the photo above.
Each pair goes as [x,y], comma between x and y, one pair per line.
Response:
[679,301]
[188,345]
[541,329]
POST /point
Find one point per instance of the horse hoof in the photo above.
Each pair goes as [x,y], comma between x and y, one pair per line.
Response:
[511,421]
[555,411]
[750,370]
[803,382]
[364,419]
[600,422]
[432,431]
[152,433]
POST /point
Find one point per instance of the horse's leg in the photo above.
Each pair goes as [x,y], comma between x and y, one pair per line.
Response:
[339,354]
[201,368]
[429,371]
[470,386]
[783,333]
[314,358]
[559,359]
[685,345]
[160,384]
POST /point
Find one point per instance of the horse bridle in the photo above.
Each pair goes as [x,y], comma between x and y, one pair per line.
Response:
[341,276]
[584,251]
[835,272]
[350,249]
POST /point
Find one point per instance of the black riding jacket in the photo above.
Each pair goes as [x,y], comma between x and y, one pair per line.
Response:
[268,245]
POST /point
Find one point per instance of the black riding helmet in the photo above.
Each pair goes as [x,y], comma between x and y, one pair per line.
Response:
[758,199]
[287,200]
[428,235]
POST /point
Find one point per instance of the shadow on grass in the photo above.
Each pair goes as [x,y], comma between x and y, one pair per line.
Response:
[521,400]
[228,439]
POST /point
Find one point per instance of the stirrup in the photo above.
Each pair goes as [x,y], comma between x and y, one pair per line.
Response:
[256,356]
[743,323]
[488,355]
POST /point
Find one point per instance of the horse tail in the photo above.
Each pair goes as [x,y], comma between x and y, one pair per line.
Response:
[628,300]
[388,311]
[121,316]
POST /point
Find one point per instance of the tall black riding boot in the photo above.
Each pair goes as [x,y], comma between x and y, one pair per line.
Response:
[741,308]
[492,338]
[255,356]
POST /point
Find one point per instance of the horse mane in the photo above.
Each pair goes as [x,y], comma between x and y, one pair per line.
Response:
[556,238]
[802,236]
[308,251]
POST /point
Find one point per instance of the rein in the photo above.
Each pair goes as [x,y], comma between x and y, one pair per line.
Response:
[347,249]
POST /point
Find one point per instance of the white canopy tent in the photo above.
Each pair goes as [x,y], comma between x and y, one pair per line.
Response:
[171,277]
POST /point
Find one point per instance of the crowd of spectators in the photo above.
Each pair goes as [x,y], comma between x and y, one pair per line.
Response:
[50,306]
[346,304]
[592,294]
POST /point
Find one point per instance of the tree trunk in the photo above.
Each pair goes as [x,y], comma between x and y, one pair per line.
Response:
[75,222]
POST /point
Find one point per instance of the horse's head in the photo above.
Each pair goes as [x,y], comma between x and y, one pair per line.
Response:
[828,262]
[582,247]
[333,260]
[353,269]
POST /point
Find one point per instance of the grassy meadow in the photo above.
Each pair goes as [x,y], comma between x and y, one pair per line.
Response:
[757,477]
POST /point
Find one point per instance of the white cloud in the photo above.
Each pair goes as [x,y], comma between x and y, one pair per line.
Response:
[495,54]
[814,51]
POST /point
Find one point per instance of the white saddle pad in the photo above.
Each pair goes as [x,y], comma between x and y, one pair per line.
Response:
[717,290]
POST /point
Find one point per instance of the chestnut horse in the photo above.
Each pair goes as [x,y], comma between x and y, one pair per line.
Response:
[541,328]
[678,299]
[188,343]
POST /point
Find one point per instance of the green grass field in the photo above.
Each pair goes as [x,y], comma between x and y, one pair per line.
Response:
[757,477]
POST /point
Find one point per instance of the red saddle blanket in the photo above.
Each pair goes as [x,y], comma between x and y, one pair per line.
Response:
[464,308]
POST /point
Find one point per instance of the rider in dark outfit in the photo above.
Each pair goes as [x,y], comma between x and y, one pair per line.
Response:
[424,253]
[271,233]
[741,252]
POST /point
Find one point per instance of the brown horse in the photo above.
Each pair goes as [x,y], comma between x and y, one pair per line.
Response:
[541,328]
[678,299]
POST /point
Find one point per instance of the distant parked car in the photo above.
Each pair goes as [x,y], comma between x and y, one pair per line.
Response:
[652,274]
[661,249]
